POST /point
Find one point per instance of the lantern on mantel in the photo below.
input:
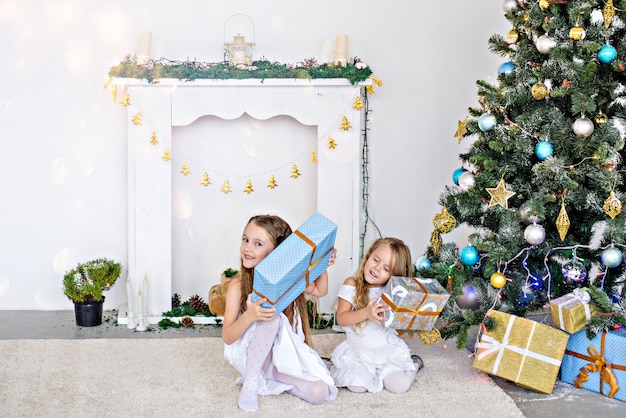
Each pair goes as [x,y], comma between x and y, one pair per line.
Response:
[239,52]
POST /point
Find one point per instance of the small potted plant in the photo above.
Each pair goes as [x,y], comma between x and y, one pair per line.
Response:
[84,285]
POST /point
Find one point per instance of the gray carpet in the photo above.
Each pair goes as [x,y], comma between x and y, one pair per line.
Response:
[189,377]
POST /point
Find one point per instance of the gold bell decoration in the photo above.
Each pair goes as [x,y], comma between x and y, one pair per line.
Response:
[345,124]
[205,181]
[137,121]
[272,183]
[226,187]
[443,221]
[125,100]
[166,154]
[358,103]
[313,157]
[539,91]
[154,139]
[185,169]
[562,221]
[248,189]
[601,118]
[500,195]
[461,130]
[612,205]
[332,144]
[295,172]
[577,33]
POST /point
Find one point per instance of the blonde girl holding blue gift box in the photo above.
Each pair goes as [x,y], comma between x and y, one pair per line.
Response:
[373,357]
[272,352]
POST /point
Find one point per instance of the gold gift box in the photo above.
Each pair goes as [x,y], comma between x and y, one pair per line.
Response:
[522,351]
[571,312]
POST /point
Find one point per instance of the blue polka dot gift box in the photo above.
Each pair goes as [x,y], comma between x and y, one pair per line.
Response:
[298,261]
[597,364]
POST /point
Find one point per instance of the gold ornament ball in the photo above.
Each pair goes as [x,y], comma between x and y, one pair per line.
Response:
[498,280]
[539,91]
[544,4]
[576,33]
[512,36]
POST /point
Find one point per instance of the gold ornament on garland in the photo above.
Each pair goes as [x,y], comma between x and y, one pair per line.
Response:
[562,221]
[358,103]
[345,124]
[106,85]
[114,93]
[369,89]
[226,187]
[166,154]
[153,139]
[539,91]
[500,195]
[185,170]
[443,221]
[295,172]
[612,205]
[272,183]
[125,100]
[248,189]
[313,157]
[332,144]
[461,130]
[608,12]
[205,179]
[435,241]
[137,119]
[377,81]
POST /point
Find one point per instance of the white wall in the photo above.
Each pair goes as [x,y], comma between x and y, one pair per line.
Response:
[63,141]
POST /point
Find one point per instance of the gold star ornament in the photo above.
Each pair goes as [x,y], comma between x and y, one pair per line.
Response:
[500,195]
[461,130]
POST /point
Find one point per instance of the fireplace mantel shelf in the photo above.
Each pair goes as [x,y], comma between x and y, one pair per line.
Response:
[241,82]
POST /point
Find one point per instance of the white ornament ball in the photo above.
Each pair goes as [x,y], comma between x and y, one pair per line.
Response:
[509,5]
[360,65]
[611,257]
[583,127]
[545,44]
[466,180]
[534,234]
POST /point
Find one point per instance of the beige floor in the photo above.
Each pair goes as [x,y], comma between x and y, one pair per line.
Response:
[565,401]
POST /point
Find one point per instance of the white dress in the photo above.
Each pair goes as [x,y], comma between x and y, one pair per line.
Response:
[370,353]
[290,355]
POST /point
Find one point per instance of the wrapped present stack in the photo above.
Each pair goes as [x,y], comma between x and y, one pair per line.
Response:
[522,351]
[571,312]
[299,260]
[597,364]
[415,303]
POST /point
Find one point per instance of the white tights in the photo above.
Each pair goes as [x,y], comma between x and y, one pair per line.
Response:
[397,382]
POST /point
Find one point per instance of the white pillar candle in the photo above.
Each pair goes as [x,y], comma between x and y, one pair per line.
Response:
[143,49]
[341,50]
[129,295]
[140,304]
[146,299]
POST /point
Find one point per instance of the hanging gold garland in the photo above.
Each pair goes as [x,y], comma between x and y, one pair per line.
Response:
[206,180]
[248,189]
[345,124]
[332,144]
[166,154]
[358,103]
[185,170]
[137,121]
[272,183]
[153,139]
[295,172]
[313,157]
[125,100]
[226,187]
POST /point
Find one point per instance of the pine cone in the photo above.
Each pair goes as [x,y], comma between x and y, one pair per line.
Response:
[198,304]
[175,300]
[186,322]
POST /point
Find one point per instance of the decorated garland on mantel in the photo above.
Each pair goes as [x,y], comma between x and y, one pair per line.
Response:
[153,70]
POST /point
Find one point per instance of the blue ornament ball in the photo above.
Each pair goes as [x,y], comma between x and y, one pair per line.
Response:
[611,257]
[506,68]
[423,263]
[457,174]
[607,54]
[469,255]
[544,150]
[486,122]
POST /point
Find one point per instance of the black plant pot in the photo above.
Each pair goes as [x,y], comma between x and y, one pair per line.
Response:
[88,314]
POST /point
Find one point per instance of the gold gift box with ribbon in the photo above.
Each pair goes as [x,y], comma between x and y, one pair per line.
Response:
[571,312]
[415,303]
[522,351]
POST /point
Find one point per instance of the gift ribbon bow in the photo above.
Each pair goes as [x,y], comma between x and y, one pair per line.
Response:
[312,263]
[491,345]
[597,363]
[413,312]
[579,295]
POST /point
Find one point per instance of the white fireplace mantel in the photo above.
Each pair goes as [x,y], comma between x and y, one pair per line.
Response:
[172,103]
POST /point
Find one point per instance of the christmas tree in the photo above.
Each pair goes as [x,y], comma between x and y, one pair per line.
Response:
[541,184]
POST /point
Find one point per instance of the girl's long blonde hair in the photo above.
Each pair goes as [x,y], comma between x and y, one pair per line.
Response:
[278,230]
[401,266]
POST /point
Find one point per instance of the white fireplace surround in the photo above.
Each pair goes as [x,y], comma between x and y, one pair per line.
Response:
[173,103]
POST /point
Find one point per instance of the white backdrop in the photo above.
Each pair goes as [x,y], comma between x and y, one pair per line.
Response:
[63,154]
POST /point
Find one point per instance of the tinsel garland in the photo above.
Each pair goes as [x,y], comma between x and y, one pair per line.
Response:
[193,70]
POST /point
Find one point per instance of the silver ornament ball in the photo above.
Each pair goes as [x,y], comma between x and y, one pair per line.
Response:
[509,5]
[583,127]
[545,44]
[466,180]
[534,234]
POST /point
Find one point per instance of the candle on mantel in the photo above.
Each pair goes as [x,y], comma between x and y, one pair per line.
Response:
[129,296]
[341,50]
[140,298]
[143,50]
[145,295]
